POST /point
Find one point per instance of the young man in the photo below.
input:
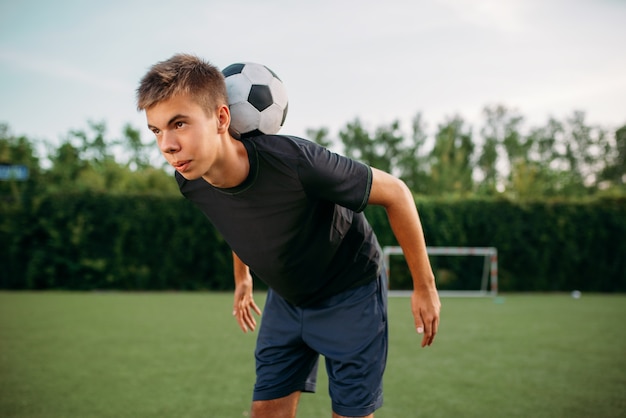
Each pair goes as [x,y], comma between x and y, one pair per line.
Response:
[291,212]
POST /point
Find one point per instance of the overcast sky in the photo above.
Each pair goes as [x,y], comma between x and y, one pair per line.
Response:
[65,62]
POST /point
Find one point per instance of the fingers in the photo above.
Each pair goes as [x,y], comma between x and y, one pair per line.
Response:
[427,339]
[421,329]
[256,308]
[249,319]
[429,329]
[245,319]
[240,321]
[429,336]
[243,315]
[426,309]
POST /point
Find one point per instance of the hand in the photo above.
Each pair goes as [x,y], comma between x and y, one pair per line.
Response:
[426,306]
[244,301]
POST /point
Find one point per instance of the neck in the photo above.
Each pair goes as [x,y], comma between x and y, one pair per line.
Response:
[232,168]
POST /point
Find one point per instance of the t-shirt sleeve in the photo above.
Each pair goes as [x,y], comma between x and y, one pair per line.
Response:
[336,178]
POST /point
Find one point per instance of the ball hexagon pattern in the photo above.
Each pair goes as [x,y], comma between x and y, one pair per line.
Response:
[257,99]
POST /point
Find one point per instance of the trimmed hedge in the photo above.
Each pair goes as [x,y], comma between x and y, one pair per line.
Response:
[542,246]
[101,241]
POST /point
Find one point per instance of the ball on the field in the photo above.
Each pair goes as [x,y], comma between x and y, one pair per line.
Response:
[257,99]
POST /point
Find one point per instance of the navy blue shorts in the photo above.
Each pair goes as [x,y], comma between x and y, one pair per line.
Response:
[349,329]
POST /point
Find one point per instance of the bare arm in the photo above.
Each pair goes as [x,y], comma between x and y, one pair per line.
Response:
[244,300]
[391,193]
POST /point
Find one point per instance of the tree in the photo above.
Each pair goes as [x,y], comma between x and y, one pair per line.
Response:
[451,159]
[67,166]
[389,150]
[503,149]
[570,155]
[614,171]
[412,163]
[18,150]
[94,148]
[578,150]
[139,155]
[380,150]
[319,136]
[86,161]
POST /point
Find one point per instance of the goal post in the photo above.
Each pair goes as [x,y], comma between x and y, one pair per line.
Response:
[489,282]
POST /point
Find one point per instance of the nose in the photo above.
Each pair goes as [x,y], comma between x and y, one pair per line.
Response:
[169,143]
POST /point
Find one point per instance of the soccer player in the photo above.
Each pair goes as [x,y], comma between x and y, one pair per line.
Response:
[291,211]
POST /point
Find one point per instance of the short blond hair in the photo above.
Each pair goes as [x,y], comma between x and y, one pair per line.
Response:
[183,74]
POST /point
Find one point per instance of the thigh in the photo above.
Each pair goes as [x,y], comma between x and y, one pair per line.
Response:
[351,332]
[284,363]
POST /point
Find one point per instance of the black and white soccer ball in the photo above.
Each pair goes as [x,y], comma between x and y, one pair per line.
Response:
[257,99]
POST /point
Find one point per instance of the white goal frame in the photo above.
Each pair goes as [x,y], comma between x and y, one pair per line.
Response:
[489,283]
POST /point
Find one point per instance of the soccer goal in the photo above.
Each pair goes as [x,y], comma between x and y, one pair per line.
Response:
[489,282]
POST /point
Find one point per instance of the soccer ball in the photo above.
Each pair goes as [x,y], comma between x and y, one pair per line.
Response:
[257,99]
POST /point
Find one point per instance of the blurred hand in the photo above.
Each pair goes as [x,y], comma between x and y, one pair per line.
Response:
[244,305]
[426,307]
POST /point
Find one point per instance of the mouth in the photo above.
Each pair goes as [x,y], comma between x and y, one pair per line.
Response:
[181,166]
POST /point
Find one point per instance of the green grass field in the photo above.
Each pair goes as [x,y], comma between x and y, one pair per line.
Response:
[182,355]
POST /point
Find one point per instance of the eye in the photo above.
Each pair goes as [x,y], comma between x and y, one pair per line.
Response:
[179,124]
[155,131]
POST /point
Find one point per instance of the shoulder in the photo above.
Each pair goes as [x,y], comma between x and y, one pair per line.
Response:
[309,159]
[284,150]
[282,144]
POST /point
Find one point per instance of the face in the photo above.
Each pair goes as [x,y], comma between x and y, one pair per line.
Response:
[188,138]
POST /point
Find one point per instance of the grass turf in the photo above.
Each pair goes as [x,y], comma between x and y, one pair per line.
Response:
[182,355]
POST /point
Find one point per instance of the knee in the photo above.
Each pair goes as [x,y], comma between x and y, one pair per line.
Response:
[276,408]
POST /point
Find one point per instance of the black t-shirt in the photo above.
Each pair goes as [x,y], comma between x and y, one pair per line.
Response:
[297,219]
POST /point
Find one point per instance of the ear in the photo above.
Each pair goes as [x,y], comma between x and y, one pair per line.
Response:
[223,119]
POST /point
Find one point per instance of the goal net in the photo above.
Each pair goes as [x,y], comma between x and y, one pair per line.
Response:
[486,285]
